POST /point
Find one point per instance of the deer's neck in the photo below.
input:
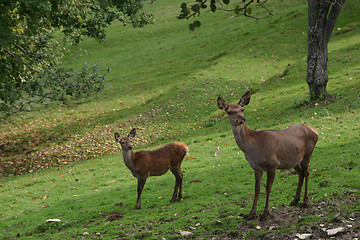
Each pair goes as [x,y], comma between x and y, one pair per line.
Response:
[242,135]
[128,155]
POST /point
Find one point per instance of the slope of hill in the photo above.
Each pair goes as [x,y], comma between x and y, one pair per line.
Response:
[164,80]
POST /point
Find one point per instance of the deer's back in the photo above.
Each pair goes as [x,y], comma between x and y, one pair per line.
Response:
[284,148]
[159,161]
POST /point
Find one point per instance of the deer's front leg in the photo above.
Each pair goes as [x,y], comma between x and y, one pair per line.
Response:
[270,180]
[258,176]
[140,187]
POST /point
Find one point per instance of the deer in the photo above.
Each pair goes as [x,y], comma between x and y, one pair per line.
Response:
[143,164]
[269,150]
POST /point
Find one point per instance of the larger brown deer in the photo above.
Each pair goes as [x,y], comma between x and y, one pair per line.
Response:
[143,164]
[269,150]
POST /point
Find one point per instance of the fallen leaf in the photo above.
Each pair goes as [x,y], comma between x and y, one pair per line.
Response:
[112,181]
[195,181]
[272,227]
[216,151]
[185,233]
[53,220]
[334,231]
[303,236]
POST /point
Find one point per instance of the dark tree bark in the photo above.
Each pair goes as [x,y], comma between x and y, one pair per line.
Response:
[322,15]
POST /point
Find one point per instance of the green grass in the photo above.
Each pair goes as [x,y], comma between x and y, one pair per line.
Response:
[165,80]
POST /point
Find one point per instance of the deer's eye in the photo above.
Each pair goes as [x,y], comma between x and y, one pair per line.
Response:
[121,142]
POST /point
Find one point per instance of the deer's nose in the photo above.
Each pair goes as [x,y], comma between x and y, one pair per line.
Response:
[243,118]
[130,147]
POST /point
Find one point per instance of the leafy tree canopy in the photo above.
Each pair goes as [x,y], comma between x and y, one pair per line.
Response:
[29,54]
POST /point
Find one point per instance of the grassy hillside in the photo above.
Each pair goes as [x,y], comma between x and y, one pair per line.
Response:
[164,80]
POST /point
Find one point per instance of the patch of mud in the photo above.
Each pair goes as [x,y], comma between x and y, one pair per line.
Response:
[113,216]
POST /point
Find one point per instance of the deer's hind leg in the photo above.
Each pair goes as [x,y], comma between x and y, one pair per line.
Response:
[300,172]
[177,195]
[305,167]
[303,171]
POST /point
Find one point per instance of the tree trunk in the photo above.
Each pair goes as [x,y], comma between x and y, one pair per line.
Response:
[322,15]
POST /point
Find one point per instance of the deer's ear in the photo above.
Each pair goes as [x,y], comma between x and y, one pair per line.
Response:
[132,133]
[222,104]
[245,100]
[117,136]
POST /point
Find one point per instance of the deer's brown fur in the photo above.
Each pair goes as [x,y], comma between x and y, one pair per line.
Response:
[268,150]
[143,164]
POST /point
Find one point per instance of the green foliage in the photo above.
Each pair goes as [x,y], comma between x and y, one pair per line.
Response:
[74,18]
[29,52]
[61,83]
[55,84]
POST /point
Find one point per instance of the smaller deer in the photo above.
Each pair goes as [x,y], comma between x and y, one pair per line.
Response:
[143,164]
[269,150]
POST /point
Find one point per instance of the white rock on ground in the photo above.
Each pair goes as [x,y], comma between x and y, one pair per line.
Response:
[185,233]
[334,231]
[303,236]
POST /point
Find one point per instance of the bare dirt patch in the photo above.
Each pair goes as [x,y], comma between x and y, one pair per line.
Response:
[112,216]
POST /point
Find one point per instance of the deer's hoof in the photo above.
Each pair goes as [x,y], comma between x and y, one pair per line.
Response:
[250,216]
[264,217]
[136,208]
[305,205]
[294,202]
